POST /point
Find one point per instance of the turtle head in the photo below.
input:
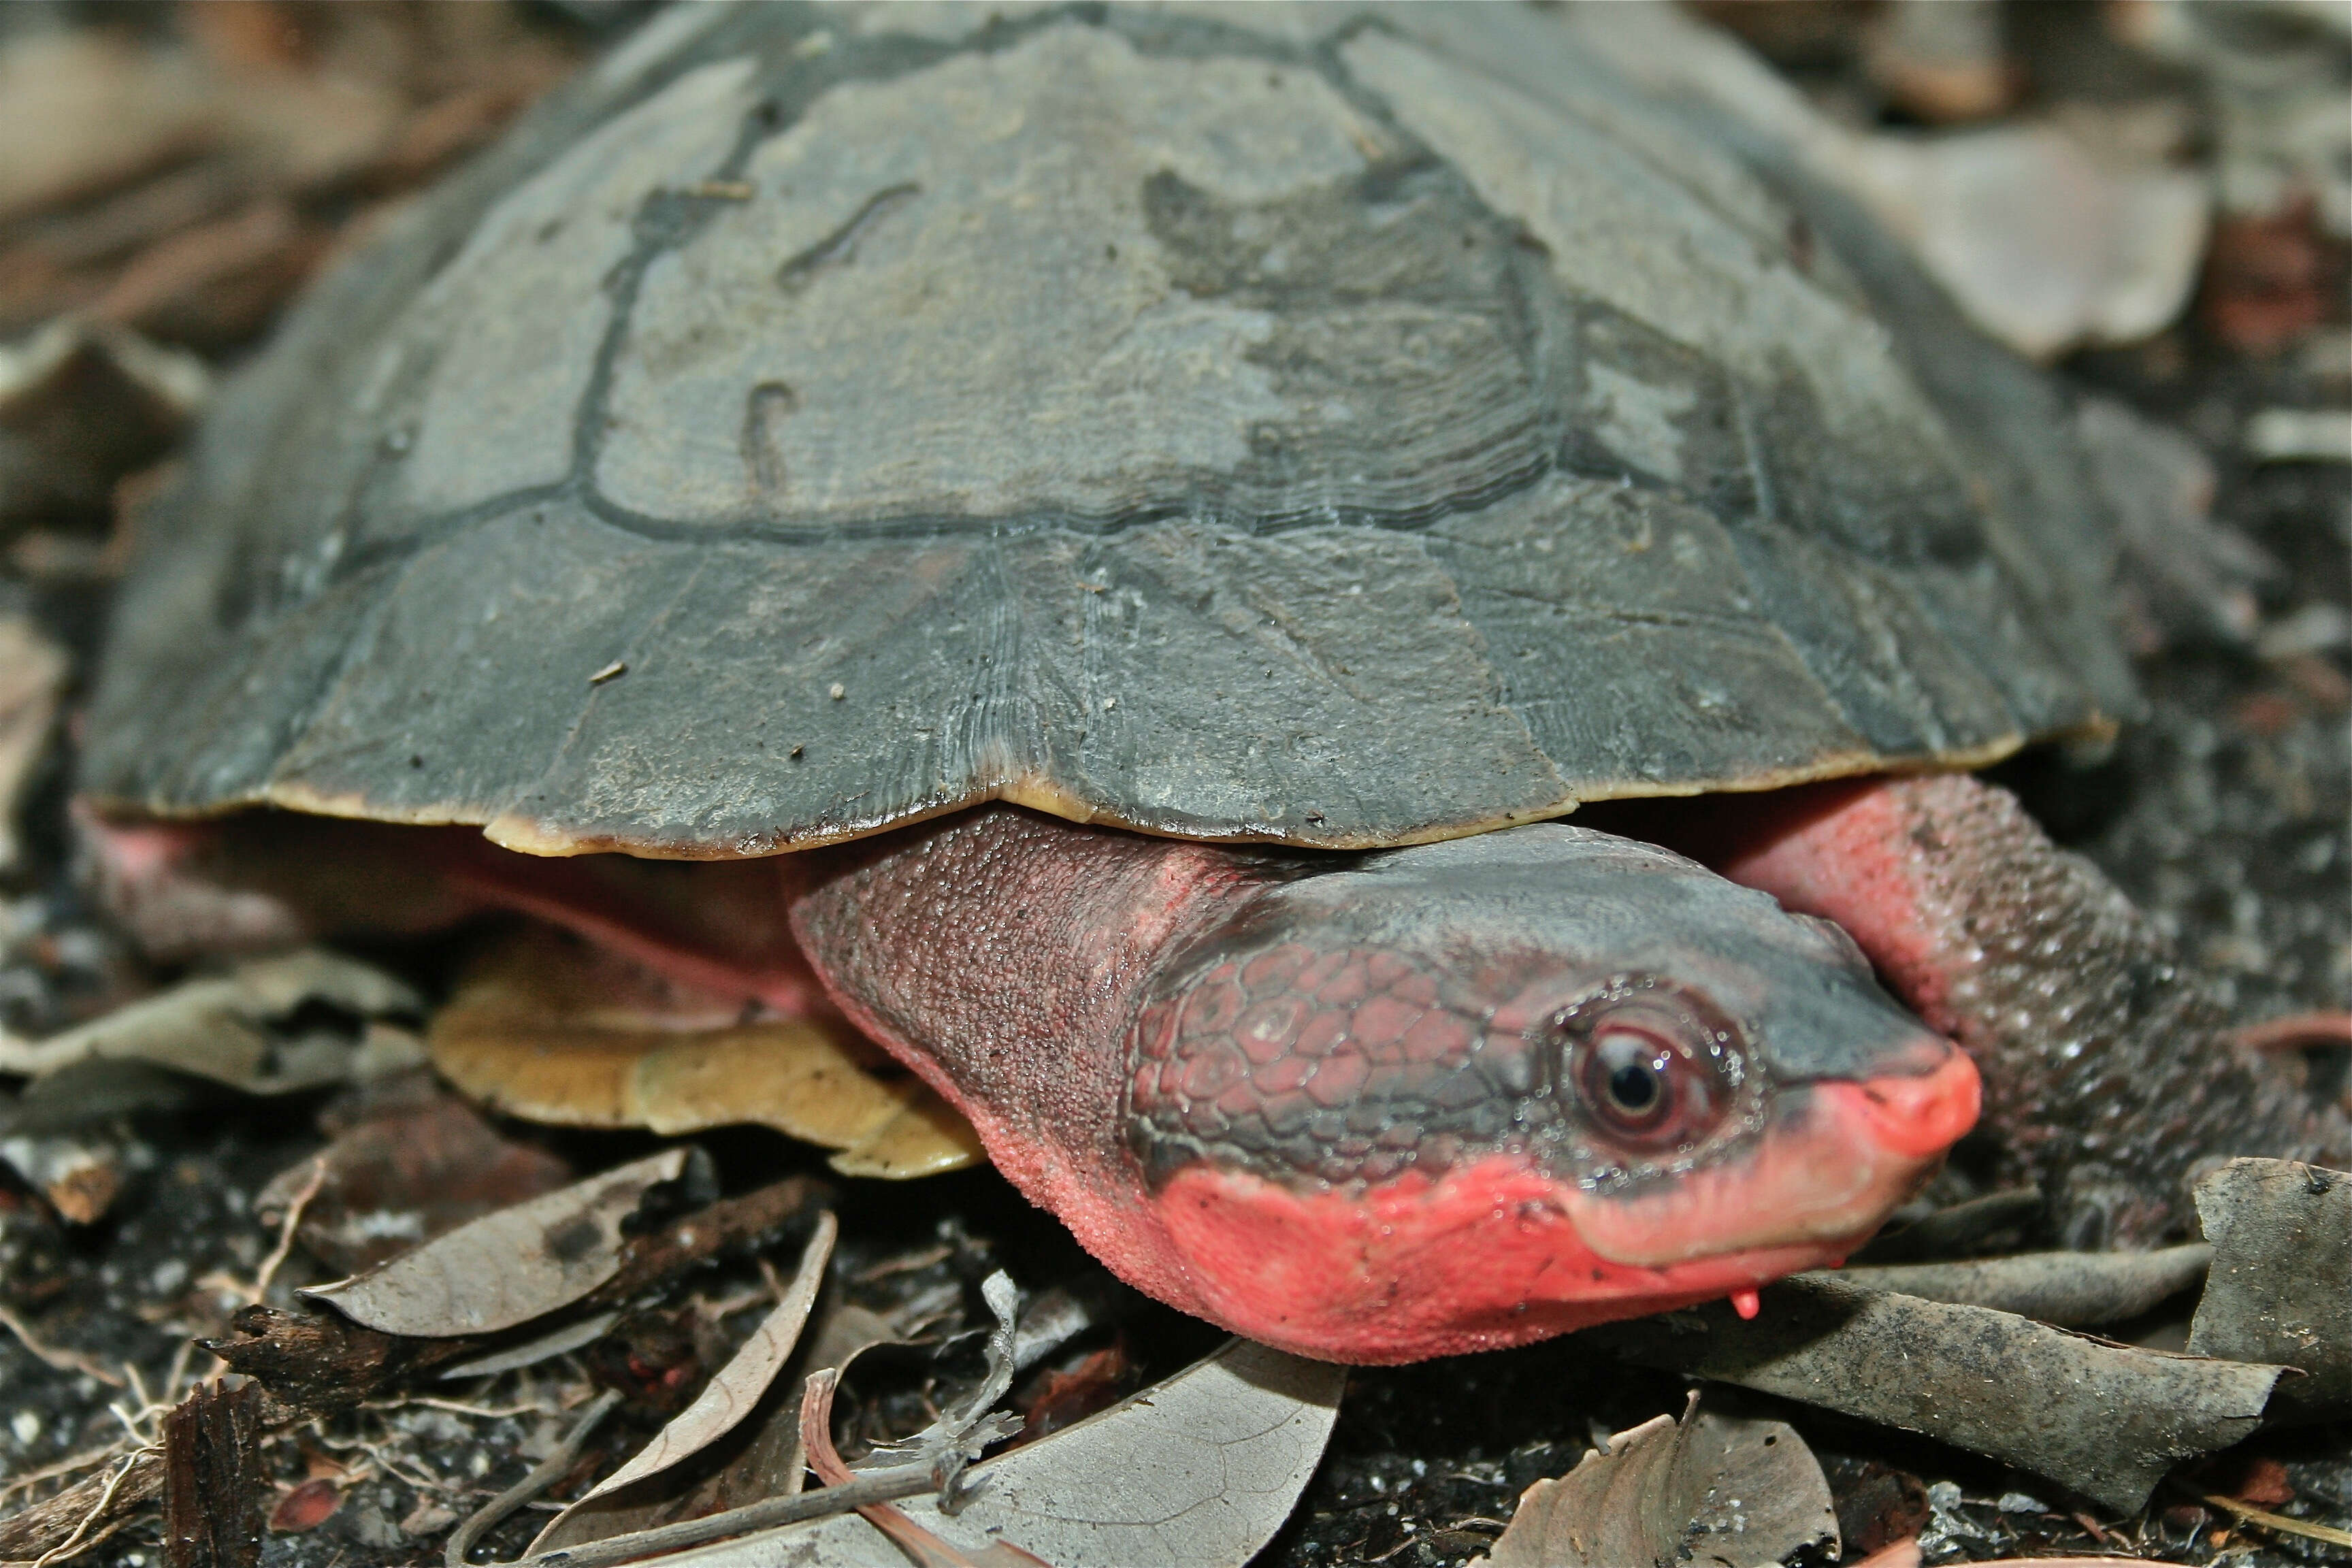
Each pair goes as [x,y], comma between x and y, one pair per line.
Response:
[1476,1093]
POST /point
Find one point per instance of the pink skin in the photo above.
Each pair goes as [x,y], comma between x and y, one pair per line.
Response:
[1008,960]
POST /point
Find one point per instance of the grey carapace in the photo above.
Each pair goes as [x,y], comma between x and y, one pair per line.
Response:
[1323,425]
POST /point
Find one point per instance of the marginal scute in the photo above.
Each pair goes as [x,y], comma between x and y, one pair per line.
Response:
[1344,426]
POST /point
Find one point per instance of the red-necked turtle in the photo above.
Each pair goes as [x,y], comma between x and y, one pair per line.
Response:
[1109,537]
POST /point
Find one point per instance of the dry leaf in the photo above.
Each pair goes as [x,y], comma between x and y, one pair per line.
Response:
[2280,1285]
[1197,1471]
[2107,1420]
[556,1342]
[235,1028]
[510,1267]
[1709,1489]
[727,1399]
[82,110]
[412,1163]
[80,1177]
[2071,1290]
[545,1027]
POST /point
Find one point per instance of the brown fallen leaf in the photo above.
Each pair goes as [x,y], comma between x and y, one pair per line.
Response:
[2071,1290]
[247,1029]
[547,1028]
[306,1506]
[725,1401]
[1720,1491]
[2280,1285]
[82,406]
[2107,1420]
[408,1163]
[508,1267]
[82,1177]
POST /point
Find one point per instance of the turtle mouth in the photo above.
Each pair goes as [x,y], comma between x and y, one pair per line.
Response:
[1498,1251]
[1839,1157]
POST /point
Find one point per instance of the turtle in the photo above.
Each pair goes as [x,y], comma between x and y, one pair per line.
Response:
[1099,545]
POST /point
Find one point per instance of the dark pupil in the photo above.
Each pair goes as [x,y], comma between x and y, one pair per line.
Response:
[1634,1087]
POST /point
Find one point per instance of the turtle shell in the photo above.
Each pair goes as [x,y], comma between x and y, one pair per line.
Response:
[1308,425]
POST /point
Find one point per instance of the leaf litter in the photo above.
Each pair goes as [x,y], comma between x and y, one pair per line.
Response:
[1721,1491]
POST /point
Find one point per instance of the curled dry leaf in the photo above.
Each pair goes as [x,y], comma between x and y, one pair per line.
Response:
[725,1401]
[1721,1491]
[546,1028]
[2281,1286]
[2107,1420]
[2071,1290]
[1197,1471]
[510,1267]
[240,1029]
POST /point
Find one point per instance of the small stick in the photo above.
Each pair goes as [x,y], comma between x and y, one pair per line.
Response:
[72,1544]
[2277,1521]
[543,1475]
[62,1360]
[285,1228]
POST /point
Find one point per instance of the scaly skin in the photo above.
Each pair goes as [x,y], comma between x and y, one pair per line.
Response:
[2111,1078]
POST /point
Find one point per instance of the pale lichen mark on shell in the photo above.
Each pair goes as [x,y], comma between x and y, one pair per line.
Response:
[1021,276]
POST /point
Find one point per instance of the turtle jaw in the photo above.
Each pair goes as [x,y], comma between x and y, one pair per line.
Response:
[1498,1251]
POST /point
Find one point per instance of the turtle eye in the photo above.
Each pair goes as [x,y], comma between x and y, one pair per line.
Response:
[1645,1074]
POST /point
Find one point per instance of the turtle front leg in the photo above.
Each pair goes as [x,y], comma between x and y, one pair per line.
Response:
[2111,1075]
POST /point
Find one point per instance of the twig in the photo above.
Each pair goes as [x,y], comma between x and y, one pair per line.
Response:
[543,1475]
[72,1544]
[65,1466]
[2277,1521]
[62,1360]
[287,1227]
[880,1485]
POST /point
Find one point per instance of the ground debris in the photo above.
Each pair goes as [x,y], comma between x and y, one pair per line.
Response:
[408,1163]
[212,1478]
[318,1363]
[2106,1420]
[510,1267]
[2280,1286]
[32,672]
[1709,1489]
[2070,1289]
[254,1029]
